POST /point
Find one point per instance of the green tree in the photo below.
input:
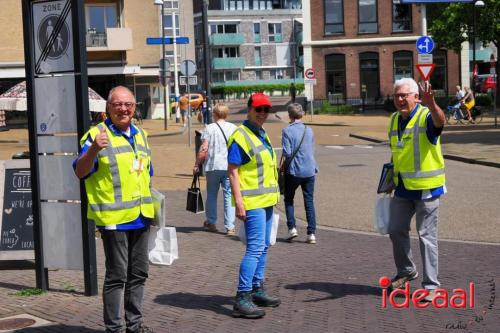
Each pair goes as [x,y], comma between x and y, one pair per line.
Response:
[452,24]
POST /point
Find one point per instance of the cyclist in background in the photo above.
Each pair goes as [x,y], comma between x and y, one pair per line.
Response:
[468,102]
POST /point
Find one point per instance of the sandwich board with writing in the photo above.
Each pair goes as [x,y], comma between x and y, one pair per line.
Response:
[16,217]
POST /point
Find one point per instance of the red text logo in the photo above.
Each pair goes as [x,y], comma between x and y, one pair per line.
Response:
[402,298]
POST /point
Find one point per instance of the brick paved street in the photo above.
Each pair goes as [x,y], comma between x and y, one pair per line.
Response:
[328,287]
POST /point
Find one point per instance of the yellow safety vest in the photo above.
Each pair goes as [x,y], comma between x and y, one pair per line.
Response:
[116,193]
[419,162]
[259,177]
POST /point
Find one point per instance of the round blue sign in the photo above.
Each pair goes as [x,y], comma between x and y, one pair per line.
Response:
[425,45]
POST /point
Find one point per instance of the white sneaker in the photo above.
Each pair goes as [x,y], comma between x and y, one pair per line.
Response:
[311,239]
[292,233]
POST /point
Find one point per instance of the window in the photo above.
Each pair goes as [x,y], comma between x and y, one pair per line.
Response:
[167,25]
[401,18]
[223,28]
[256,32]
[275,33]
[403,64]
[258,75]
[334,16]
[171,4]
[439,76]
[257,56]
[369,75]
[100,17]
[218,76]
[225,52]
[335,74]
[367,16]
[236,4]
[232,76]
[277,74]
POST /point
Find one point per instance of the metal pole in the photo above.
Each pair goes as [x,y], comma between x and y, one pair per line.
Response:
[423,16]
[42,281]
[312,100]
[176,74]
[163,70]
[206,55]
[473,85]
[189,107]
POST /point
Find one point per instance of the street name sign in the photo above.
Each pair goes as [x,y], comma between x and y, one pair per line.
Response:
[425,70]
[167,40]
[425,45]
[310,81]
[193,80]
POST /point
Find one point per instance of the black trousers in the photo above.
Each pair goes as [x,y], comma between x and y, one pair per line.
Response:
[127,268]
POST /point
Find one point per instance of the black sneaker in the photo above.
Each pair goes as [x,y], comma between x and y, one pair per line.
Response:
[398,282]
[245,308]
[262,298]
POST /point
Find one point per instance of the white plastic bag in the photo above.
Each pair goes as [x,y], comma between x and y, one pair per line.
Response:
[159,207]
[382,213]
[162,245]
[274,230]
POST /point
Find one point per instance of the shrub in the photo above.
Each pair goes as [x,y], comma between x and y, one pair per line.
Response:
[327,108]
[245,90]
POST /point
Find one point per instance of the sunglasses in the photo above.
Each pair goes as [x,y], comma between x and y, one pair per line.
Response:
[265,109]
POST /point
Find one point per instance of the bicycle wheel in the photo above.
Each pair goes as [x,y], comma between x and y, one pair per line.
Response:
[477,116]
[456,117]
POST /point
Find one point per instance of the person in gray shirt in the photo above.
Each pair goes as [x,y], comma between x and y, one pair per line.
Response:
[300,169]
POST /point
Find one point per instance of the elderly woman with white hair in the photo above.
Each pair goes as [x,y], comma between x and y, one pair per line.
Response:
[300,168]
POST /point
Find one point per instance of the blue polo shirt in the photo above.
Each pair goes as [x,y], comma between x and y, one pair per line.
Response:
[237,156]
[433,134]
[141,221]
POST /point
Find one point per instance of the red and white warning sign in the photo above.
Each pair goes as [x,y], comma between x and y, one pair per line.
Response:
[425,70]
[310,73]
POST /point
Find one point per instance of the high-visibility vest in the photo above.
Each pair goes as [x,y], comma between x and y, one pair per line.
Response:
[419,162]
[116,192]
[259,177]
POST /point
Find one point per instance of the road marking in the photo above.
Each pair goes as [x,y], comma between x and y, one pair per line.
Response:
[335,147]
[363,146]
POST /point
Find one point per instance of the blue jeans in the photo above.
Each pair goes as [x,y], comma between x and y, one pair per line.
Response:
[215,179]
[307,185]
[258,231]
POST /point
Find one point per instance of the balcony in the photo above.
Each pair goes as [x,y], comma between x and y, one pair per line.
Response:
[227,39]
[276,38]
[114,39]
[300,61]
[257,39]
[258,61]
[228,63]
[299,37]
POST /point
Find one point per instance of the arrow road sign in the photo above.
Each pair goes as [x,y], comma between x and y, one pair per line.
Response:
[426,70]
[425,45]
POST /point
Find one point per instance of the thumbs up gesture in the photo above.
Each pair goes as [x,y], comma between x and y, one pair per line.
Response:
[101,139]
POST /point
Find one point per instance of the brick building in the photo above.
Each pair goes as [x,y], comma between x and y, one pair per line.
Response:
[358,45]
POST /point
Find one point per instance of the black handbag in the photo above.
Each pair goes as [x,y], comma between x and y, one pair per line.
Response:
[194,201]
[284,166]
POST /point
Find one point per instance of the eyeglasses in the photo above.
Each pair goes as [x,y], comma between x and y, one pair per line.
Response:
[402,96]
[118,105]
[265,109]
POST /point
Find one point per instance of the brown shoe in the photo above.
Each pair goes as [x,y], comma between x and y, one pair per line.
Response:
[230,232]
[398,282]
[211,228]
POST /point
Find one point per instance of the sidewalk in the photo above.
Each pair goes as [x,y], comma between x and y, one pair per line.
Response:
[477,144]
[328,287]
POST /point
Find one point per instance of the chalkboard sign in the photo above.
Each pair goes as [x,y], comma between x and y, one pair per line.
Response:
[16,222]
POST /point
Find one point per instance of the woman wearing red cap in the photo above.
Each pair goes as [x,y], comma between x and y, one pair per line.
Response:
[254,183]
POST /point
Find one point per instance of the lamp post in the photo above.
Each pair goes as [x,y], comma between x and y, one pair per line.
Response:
[478,4]
[206,56]
[163,70]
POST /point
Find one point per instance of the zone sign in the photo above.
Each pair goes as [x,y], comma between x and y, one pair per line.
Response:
[310,73]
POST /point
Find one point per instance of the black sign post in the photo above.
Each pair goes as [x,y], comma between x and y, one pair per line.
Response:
[56,77]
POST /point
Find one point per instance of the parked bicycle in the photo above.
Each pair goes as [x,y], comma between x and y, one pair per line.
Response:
[455,115]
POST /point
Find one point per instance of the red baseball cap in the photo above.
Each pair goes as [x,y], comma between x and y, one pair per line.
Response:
[260,99]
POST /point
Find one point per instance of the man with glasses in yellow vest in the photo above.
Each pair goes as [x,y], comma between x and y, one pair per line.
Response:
[414,135]
[115,162]
[254,183]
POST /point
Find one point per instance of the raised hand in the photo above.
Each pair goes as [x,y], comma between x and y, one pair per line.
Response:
[426,94]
